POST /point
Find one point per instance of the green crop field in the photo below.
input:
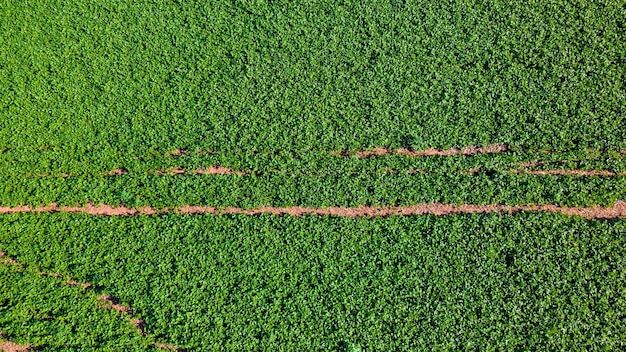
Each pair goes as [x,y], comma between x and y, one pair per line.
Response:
[266,175]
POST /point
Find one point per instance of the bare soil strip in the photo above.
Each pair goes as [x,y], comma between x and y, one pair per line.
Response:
[212,170]
[8,346]
[69,281]
[217,170]
[569,172]
[618,210]
[139,324]
[110,302]
[165,346]
[177,152]
[84,285]
[8,261]
[116,172]
[471,150]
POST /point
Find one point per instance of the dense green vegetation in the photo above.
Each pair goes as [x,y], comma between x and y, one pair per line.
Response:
[48,162]
[42,311]
[289,92]
[314,179]
[112,79]
[494,282]
[289,190]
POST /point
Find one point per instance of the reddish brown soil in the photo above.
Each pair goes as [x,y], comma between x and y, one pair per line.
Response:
[472,171]
[618,210]
[177,152]
[172,172]
[472,150]
[69,280]
[101,209]
[196,209]
[84,285]
[110,302]
[20,209]
[177,171]
[116,172]
[569,172]
[167,347]
[414,172]
[9,261]
[139,324]
[90,209]
[6,260]
[51,274]
[531,163]
[340,153]
[217,170]
[544,162]
[148,211]
[373,152]
[212,170]
[8,346]
[205,152]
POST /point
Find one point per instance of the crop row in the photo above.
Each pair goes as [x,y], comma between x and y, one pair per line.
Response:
[294,190]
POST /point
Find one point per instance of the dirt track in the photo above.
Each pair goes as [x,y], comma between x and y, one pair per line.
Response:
[8,346]
[472,150]
[569,172]
[212,170]
[618,210]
